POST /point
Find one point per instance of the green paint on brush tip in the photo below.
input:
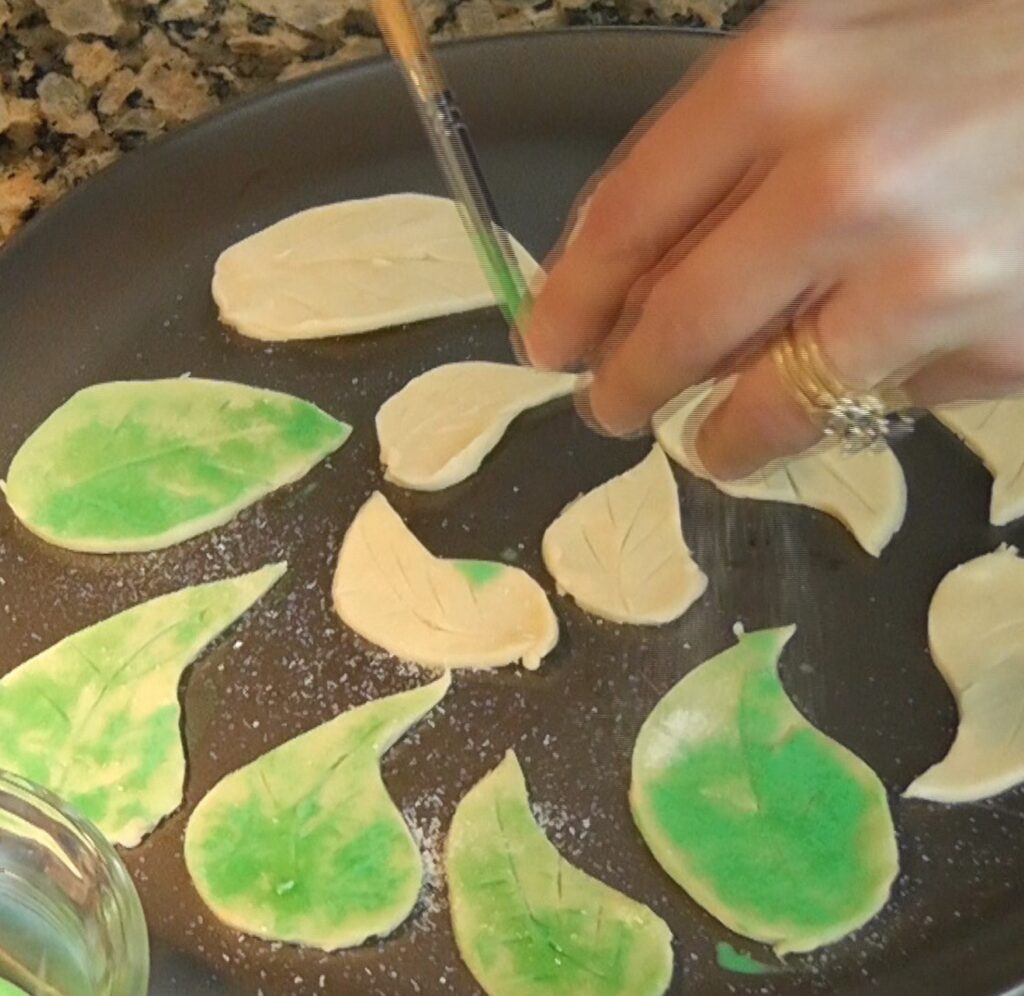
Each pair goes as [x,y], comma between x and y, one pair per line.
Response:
[478,572]
[732,960]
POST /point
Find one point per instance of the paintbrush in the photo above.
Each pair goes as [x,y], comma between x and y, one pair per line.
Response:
[453,149]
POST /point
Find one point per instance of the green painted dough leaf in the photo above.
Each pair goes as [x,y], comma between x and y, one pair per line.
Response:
[778,831]
[527,923]
[304,844]
[10,989]
[95,718]
[141,465]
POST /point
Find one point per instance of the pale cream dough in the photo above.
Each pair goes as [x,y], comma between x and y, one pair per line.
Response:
[976,636]
[351,267]
[437,613]
[619,550]
[437,430]
[865,491]
[992,430]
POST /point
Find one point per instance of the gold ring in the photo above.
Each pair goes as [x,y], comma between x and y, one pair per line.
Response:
[857,419]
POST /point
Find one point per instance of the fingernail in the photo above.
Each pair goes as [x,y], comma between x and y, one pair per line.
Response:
[723,458]
[599,421]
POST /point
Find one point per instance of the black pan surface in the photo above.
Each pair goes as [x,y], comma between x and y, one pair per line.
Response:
[114,282]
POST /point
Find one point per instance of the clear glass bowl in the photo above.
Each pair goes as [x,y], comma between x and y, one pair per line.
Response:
[71,923]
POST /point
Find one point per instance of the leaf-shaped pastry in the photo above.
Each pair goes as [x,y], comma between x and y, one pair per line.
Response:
[353,267]
[619,549]
[437,430]
[992,430]
[438,613]
[865,491]
[779,832]
[527,923]
[304,844]
[976,635]
[95,718]
[141,465]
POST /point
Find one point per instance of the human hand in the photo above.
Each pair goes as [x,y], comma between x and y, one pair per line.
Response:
[859,160]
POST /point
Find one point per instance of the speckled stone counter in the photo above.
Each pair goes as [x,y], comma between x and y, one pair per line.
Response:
[85,81]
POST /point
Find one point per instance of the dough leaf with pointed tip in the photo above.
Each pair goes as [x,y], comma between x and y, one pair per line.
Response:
[865,491]
[619,549]
[304,844]
[976,636]
[354,266]
[435,612]
[527,923]
[96,718]
[141,465]
[775,829]
[437,430]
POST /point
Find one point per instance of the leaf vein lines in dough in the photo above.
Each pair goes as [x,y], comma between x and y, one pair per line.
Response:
[526,921]
[96,717]
[619,550]
[866,491]
[353,267]
[437,613]
[775,829]
[304,844]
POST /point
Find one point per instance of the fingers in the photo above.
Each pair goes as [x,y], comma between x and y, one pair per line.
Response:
[992,369]
[700,312]
[906,319]
[670,177]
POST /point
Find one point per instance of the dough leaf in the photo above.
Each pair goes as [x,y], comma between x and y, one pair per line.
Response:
[141,465]
[527,923]
[865,491]
[778,831]
[976,634]
[304,844]
[95,718]
[434,612]
[353,267]
[619,550]
[992,431]
[437,430]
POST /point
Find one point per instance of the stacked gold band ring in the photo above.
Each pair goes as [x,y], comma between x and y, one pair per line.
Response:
[858,420]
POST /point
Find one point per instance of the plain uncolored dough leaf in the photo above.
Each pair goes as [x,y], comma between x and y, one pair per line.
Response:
[304,844]
[527,923]
[619,549]
[865,491]
[438,613]
[994,431]
[96,718]
[354,267]
[437,430]
[779,832]
[976,634]
[141,465]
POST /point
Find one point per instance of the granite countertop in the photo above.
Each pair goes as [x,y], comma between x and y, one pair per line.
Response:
[85,81]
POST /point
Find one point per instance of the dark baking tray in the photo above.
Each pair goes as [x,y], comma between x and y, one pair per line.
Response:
[114,282]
